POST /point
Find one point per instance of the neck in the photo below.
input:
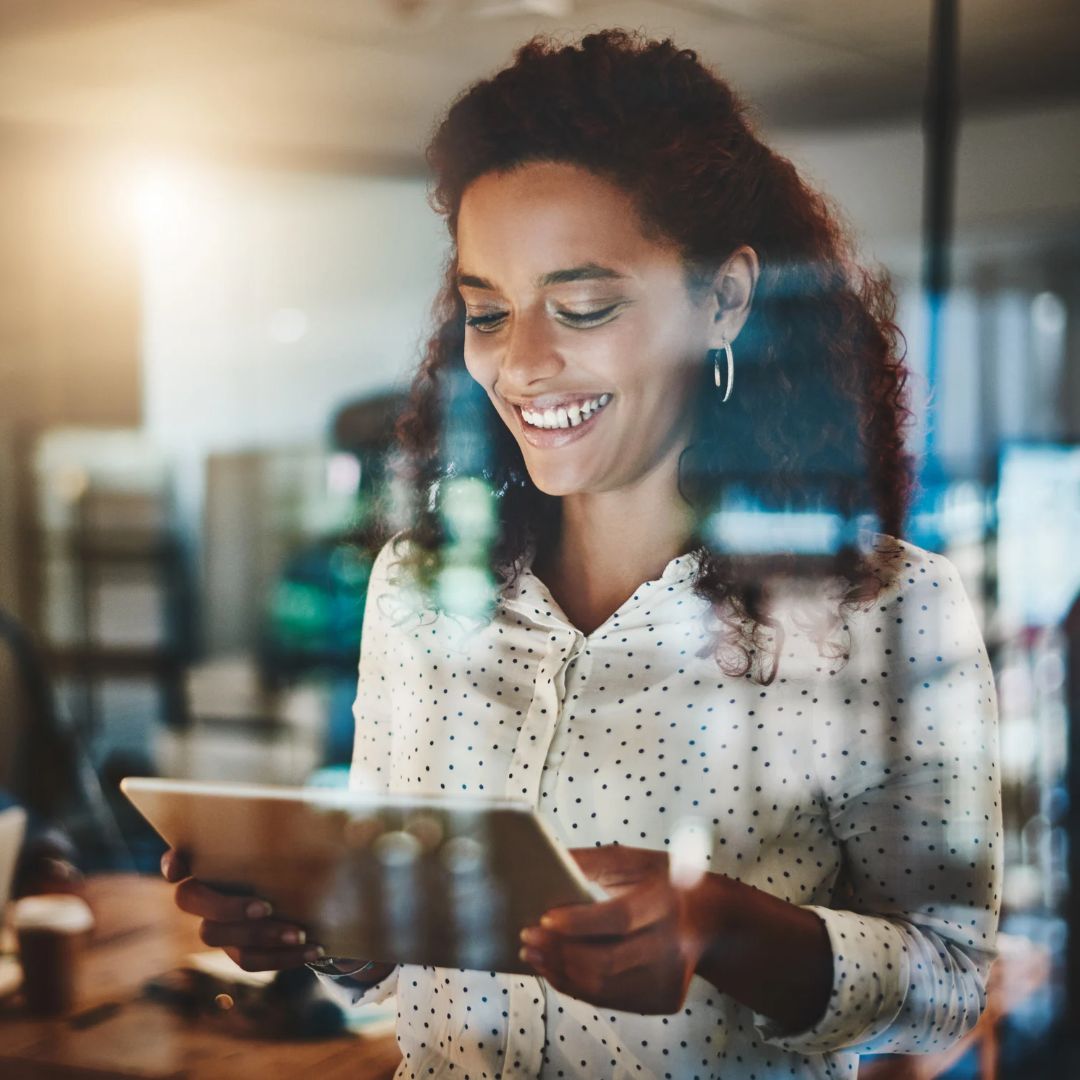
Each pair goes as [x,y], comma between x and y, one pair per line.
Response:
[611,542]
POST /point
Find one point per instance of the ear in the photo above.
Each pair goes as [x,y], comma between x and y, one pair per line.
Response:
[732,294]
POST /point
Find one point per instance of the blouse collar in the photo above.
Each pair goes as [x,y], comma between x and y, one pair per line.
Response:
[649,603]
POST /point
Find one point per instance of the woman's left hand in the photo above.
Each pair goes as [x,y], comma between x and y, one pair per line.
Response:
[635,952]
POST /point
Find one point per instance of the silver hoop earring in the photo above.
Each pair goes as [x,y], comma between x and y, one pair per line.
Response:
[714,355]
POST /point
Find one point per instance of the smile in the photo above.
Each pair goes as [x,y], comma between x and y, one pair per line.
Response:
[556,427]
[571,416]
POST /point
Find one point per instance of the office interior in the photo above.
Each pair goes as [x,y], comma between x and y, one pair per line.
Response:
[218,262]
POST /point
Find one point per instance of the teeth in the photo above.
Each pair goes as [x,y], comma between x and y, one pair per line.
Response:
[565,416]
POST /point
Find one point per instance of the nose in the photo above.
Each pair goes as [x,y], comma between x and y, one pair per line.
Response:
[530,354]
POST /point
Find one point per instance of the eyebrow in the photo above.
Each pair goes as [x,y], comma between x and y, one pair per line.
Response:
[585,272]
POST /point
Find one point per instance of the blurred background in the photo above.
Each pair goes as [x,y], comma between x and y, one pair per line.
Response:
[217,262]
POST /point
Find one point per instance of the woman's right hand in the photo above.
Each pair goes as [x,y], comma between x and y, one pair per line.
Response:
[241,925]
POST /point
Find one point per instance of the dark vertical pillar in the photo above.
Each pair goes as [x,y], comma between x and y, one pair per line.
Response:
[940,122]
[1072,829]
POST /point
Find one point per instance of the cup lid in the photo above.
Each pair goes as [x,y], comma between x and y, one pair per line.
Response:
[61,912]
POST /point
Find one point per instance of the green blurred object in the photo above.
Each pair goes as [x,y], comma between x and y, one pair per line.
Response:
[316,610]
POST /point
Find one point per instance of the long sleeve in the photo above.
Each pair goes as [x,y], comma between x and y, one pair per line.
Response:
[372,744]
[373,707]
[905,749]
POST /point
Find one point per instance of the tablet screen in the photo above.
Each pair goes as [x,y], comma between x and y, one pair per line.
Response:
[402,879]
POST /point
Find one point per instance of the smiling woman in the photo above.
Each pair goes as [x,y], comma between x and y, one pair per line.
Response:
[616,219]
[785,781]
[569,305]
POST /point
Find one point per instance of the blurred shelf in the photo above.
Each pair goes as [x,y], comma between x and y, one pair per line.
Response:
[119,662]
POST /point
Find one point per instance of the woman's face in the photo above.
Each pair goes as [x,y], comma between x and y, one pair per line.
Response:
[579,327]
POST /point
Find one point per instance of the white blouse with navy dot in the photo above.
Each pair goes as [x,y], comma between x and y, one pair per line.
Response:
[865,789]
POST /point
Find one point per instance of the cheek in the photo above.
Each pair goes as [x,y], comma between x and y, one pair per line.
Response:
[660,337]
[659,361]
[484,370]
[476,364]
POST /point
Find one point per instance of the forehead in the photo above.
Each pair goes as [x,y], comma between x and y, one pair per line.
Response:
[545,215]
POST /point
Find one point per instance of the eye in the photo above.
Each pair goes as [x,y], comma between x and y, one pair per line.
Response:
[586,319]
[486,324]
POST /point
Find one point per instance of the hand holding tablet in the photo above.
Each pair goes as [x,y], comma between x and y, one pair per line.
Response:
[241,925]
[395,879]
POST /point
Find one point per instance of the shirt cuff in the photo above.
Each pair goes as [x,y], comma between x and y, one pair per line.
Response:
[870,977]
[348,993]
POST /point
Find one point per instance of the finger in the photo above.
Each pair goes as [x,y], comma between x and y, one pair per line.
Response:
[536,937]
[632,911]
[196,898]
[253,933]
[174,866]
[274,959]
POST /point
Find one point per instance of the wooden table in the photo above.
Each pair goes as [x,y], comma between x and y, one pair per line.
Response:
[140,934]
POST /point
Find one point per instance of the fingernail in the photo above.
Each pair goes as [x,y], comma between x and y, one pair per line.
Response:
[547,922]
[258,909]
[316,952]
[531,936]
[292,936]
[530,956]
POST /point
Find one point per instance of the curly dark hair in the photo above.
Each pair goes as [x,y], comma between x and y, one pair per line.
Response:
[818,417]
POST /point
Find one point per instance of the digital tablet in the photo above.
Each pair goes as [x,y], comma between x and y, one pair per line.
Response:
[396,878]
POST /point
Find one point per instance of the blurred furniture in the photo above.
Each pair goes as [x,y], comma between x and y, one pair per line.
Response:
[117,1032]
[259,507]
[242,730]
[126,603]
[44,768]
[285,562]
[37,757]
[1022,968]
[366,427]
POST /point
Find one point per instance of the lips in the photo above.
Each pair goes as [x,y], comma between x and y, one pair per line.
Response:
[570,414]
[555,437]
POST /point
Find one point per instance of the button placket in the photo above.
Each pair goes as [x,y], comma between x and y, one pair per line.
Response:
[525,1023]
[541,722]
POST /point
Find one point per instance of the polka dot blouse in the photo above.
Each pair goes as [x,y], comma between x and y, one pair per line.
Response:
[866,790]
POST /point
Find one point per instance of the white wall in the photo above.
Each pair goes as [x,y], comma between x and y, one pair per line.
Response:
[225,253]
[1017,173]
[270,299]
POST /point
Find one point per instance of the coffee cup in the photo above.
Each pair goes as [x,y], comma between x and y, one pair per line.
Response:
[52,931]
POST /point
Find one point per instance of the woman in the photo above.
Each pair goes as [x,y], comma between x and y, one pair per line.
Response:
[666,323]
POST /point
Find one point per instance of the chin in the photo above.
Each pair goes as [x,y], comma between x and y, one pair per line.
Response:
[554,489]
[555,485]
